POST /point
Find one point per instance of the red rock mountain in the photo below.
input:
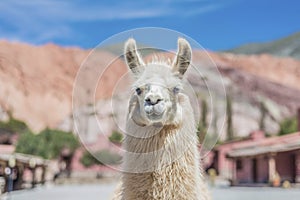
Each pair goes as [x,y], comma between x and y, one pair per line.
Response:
[36,81]
[285,71]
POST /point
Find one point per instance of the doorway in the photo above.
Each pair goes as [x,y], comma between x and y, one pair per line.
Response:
[254,170]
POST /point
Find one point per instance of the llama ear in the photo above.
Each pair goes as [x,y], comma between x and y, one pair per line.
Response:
[183,57]
[132,57]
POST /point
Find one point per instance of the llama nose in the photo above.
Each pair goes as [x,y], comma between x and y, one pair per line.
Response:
[152,100]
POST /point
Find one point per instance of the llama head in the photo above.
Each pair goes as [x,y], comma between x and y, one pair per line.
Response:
[157,99]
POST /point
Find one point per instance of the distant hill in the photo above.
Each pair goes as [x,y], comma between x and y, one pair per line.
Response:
[285,47]
[36,83]
[118,49]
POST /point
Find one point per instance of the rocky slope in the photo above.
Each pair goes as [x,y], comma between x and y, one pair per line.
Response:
[255,79]
[36,81]
[36,84]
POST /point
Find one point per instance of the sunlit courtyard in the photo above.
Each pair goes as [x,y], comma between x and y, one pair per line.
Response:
[105,191]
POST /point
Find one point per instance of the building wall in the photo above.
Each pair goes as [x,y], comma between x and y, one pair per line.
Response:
[244,173]
[262,169]
[250,166]
[224,165]
[297,162]
[285,165]
[256,170]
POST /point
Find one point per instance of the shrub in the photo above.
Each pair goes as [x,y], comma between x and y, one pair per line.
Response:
[28,143]
[107,157]
[116,137]
[88,159]
[14,125]
[102,157]
[288,125]
[47,144]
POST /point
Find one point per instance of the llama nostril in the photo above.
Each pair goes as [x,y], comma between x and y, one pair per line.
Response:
[153,101]
[148,101]
[158,100]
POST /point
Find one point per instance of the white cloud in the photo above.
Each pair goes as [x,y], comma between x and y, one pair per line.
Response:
[39,21]
[71,11]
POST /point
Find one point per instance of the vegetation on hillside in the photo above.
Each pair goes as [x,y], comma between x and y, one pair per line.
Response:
[263,113]
[288,125]
[14,125]
[202,125]
[229,112]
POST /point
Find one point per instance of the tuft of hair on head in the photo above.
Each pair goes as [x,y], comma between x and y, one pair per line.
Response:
[183,57]
[132,57]
[159,59]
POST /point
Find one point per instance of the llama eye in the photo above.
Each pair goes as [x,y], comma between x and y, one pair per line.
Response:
[138,91]
[176,90]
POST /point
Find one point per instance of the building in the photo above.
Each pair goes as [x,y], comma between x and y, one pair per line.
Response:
[14,167]
[260,159]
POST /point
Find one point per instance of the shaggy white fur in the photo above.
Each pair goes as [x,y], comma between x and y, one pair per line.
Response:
[162,158]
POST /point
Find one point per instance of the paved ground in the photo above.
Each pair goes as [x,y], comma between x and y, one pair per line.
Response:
[255,193]
[104,191]
[65,192]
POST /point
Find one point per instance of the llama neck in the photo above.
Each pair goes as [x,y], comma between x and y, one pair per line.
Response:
[158,147]
[165,165]
[164,162]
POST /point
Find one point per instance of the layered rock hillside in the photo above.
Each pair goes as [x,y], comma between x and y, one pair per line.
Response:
[36,83]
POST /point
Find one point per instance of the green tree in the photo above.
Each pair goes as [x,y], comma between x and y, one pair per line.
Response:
[28,143]
[230,133]
[263,113]
[202,126]
[14,125]
[288,125]
[47,144]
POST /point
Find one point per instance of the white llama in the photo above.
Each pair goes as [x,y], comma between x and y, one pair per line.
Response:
[161,159]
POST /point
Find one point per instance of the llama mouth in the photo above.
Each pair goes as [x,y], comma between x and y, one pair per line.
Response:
[153,113]
[157,109]
[155,117]
[153,110]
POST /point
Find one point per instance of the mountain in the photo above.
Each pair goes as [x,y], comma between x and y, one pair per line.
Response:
[117,49]
[36,84]
[254,79]
[285,47]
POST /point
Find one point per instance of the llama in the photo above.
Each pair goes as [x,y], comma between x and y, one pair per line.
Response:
[161,159]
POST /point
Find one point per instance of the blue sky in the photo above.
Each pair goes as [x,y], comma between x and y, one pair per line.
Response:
[215,24]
